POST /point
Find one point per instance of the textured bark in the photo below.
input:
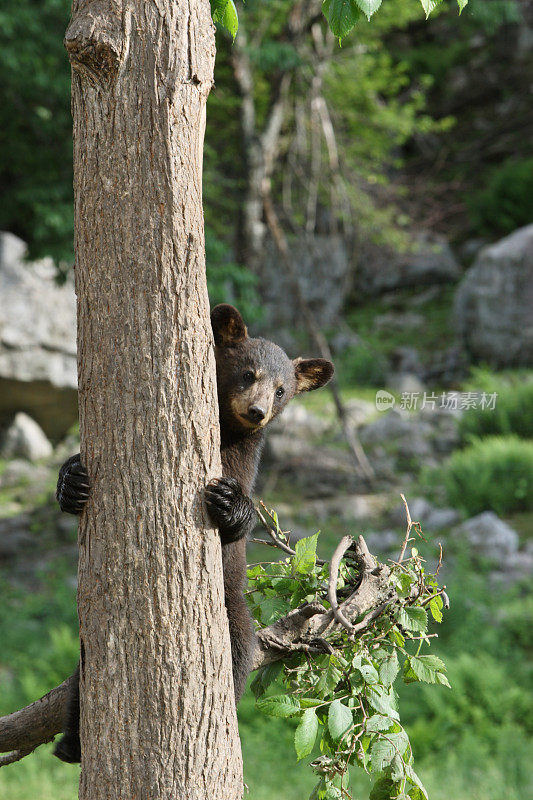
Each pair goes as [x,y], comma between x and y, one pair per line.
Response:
[158,718]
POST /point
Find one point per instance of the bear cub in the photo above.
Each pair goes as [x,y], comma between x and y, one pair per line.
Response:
[255,381]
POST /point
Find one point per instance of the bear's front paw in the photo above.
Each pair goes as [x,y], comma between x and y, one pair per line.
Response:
[229,508]
[72,486]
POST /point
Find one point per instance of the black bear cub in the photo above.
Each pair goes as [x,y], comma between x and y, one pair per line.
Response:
[255,380]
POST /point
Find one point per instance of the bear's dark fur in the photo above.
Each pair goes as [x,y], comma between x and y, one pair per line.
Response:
[255,381]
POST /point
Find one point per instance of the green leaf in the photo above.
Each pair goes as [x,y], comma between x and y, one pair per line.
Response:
[436,613]
[341,16]
[403,583]
[423,668]
[389,668]
[381,754]
[369,7]
[443,680]
[256,686]
[339,719]
[430,5]
[409,676]
[310,702]
[279,705]
[397,637]
[225,13]
[319,792]
[305,558]
[329,677]
[369,673]
[270,673]
[378,722]
[462,4]
[305,735]
[433,662]
[382,789]
[397,768]
[383,701]
[413,618]
[333,792]
[414,779]
[272,609]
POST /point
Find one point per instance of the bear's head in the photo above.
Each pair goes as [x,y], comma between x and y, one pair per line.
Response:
[255,378]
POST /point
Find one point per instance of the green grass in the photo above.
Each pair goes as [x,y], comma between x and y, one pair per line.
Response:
[39,776]
[513,408]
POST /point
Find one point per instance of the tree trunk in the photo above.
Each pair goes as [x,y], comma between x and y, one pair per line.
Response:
[158,718]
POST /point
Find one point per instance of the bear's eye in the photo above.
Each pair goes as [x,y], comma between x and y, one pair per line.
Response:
[248,376]
[280,392]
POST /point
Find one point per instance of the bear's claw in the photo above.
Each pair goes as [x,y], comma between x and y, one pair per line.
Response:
[229,508]
[73,486]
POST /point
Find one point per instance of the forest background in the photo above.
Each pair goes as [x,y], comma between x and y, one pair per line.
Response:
[391,163]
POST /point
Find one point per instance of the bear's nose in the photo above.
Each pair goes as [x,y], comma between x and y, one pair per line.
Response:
[256,413]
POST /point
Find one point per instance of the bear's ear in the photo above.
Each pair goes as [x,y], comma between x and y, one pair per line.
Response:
[312,373]
[228,326]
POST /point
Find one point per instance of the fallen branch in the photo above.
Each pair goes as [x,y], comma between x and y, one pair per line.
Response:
[307,627]
[355,447]
[340,550]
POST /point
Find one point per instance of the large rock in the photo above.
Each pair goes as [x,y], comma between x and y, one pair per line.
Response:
[323,278]
[25,439]
[429,516]
[429,261]
[494,302]
[37,341]
[489,537]
[412,440]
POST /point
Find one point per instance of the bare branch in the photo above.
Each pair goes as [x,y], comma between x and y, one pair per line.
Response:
[276,541]
[340,550]
[408,530]
[15,755]
[369,618]
[440,593]
[22,731]
[440,560]
[360,459]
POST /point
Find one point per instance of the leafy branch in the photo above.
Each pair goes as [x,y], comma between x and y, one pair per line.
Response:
[333,640]
[341,15]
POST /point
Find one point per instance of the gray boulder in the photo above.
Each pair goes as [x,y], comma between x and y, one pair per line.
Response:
[430,261]
[489,537]
[393,425]
[38,373]
[297,422]
[494,303]
[323,278]
[25,439]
